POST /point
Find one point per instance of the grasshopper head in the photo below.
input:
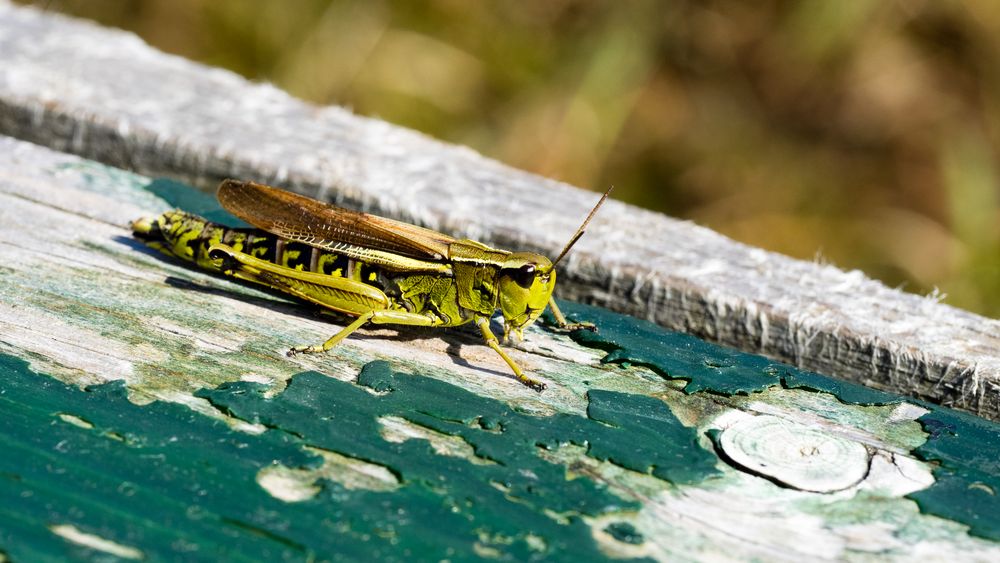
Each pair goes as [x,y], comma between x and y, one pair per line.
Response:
[527,280]
[526,283]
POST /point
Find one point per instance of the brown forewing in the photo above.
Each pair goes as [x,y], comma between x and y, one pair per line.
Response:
[299,218]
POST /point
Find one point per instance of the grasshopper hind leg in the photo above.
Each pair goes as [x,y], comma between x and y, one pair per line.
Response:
[378,317]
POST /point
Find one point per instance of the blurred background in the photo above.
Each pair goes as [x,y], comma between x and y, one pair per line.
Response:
[863,133]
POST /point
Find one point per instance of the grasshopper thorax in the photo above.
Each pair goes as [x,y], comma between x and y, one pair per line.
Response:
[526,282]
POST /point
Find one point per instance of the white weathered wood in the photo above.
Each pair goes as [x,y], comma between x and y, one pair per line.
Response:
[82,301]
[107,95]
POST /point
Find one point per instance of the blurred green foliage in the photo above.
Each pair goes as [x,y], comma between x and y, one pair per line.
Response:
[860,132]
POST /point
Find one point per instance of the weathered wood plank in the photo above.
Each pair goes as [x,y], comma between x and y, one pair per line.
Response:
[83,302]
[106,95]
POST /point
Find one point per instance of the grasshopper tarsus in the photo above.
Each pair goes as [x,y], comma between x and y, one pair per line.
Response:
[570,327]
[563,325]
[535,385]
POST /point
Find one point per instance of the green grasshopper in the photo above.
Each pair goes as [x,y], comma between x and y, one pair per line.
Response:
[380,271]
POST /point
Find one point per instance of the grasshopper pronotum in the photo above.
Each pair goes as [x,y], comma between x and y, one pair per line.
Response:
[375,269]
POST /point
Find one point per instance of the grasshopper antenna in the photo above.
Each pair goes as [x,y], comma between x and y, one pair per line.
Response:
[582,229]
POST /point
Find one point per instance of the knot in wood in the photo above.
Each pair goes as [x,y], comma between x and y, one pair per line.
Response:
[795,455]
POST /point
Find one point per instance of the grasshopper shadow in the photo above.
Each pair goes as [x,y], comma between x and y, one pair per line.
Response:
[278,301]
[137,245]
[454,352]
[454,337]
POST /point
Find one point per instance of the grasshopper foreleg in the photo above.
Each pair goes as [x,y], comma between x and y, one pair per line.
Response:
[491,340]
[563,324]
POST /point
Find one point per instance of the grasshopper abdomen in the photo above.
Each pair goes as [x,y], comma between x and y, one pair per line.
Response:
[190,237]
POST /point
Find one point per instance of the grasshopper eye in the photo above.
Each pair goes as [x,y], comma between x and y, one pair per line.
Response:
[523,276]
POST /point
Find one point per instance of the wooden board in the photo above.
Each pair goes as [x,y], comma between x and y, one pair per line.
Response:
[198,437]
[106,95]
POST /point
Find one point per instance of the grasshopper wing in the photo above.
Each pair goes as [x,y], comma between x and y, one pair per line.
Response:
[325,226]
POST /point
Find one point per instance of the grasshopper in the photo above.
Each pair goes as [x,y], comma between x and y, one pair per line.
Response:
[378,270]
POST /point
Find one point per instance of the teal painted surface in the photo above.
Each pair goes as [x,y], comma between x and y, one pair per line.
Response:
[640,433]
[847,392]
[965,447]
[176,485]
[634,431]
[708,367]
[159,477]
[967,487]
[673,355]
[625,533]
[183,196]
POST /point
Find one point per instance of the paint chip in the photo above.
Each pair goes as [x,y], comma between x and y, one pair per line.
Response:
[75,420]
[73,534]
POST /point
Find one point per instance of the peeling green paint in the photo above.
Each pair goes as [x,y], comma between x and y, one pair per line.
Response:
[158,478]
[646,437]
[967,479]
[846,391]
[509,499]
[183,196]
[708,367]
[174,484]
[673,355]
[966,447]
[625,533]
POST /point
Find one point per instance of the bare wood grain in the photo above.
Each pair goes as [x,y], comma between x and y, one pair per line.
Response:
[106,95]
